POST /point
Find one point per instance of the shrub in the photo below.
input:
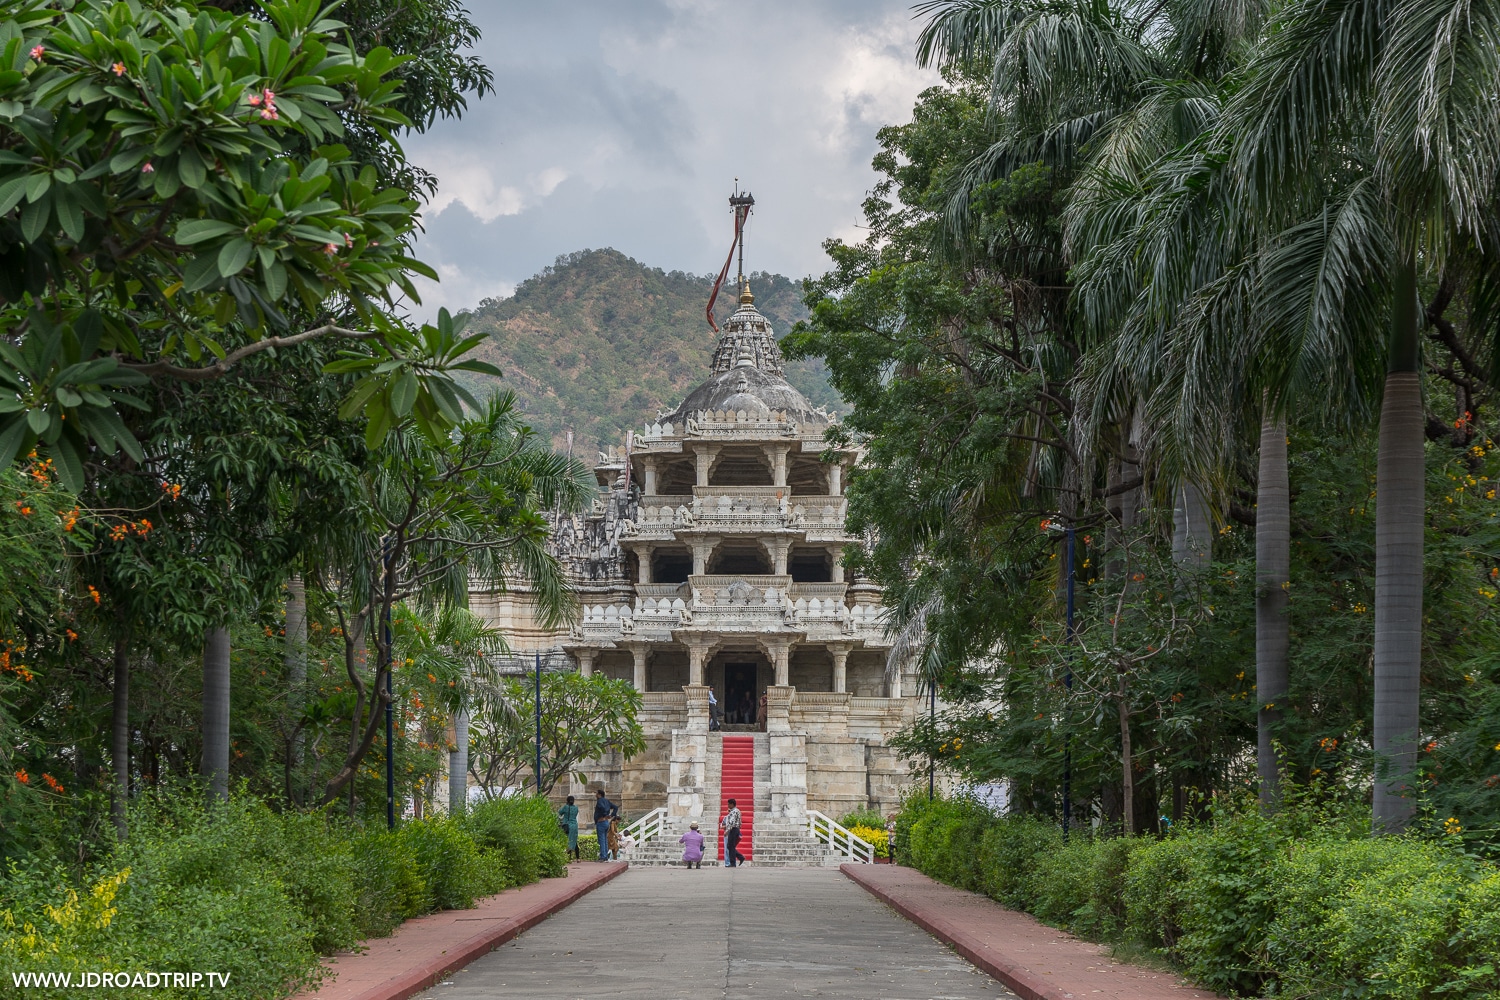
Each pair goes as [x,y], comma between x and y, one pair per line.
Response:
[863,817]
[448,861]
[944,842]
[588,846]
[875,836]
[524,830]
[1154,887]
[1062,881]
[1007,855]
[389,886]
[1304,904]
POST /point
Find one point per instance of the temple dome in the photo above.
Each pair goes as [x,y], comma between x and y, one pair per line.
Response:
[747,372]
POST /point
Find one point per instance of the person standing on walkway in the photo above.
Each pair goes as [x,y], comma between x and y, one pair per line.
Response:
[713,711]
[730,824]
[760,714]
[604,812]
[567,818]
[692,846]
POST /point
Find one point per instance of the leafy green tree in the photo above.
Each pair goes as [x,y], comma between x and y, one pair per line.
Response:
[582,718]
[440,516]
[174,197]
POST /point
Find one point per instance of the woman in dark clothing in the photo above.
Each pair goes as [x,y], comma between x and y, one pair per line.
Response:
[567,818]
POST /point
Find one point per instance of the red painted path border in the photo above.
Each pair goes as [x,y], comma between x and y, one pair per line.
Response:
[1036,961]
[424,950]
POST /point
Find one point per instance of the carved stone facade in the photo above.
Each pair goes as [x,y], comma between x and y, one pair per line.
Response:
[712,559]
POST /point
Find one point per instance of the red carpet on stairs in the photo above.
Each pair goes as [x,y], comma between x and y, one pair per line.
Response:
[737,781]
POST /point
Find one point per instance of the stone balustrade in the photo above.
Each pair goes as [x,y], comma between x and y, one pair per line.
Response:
[736,601]
[754,512]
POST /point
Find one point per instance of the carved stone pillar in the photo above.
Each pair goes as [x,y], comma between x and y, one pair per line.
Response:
[702,549]
[836,570]
[778,708]
[840,653]
[836,479]
[649,466]
[778,547]
[638,650]
[643,564]
[696,655]
[777,455]
[781,653]
[703,460]
[585,662]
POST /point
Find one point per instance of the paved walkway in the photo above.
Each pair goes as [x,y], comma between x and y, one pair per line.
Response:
[1037,961]
[423,950]
[674,934]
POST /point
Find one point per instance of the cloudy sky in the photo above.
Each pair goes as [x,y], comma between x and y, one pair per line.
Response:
[624,123]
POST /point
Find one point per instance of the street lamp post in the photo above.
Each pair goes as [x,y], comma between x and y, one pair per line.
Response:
[539,722]
[932,757]
[390,701]
[1068,684]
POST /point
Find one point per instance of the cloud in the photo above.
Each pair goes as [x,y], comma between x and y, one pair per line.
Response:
[625,124]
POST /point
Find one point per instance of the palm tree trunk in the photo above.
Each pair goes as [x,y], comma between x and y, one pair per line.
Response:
[1127,761]
[216,712]
[1400,481]
[458,764]
[295,658]
[1273,558]
[1192,534]
[119,747]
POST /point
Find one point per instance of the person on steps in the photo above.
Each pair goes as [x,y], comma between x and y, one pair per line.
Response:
[730,824]
[692,846]
[604,812]
[567,818]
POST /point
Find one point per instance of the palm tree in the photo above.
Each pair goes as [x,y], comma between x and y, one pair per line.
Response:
[1393,105]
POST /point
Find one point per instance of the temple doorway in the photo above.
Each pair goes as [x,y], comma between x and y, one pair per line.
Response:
[739,693]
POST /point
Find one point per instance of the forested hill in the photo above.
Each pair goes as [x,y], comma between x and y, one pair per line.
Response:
[599,342]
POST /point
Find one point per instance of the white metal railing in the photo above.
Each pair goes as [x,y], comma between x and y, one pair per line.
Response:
[839,838]
[653,824]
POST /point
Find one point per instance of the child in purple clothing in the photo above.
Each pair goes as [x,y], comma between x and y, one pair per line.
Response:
[692,841]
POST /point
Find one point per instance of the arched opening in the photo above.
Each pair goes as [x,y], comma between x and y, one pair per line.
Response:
[676,479]
[741,467]
[810,565]
[739,677]
[667,670]
[806,476]
[810,669]
[738,559]
[671,565]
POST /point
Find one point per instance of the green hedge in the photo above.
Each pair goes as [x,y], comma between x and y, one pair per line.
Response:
[1243,905]
[259,895]
[525,832]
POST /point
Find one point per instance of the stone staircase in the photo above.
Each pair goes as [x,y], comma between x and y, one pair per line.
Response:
[773,843]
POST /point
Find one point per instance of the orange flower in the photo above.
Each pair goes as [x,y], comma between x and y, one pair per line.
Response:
[174,490]
[118,69]
[72,636]
[118,532]
[53,784]
[70,519]
[94,593]
[23,777]
[142,526]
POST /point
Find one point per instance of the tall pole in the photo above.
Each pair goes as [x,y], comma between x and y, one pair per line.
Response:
[1068,684]
[539,722]
[932,757]
[390,701]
